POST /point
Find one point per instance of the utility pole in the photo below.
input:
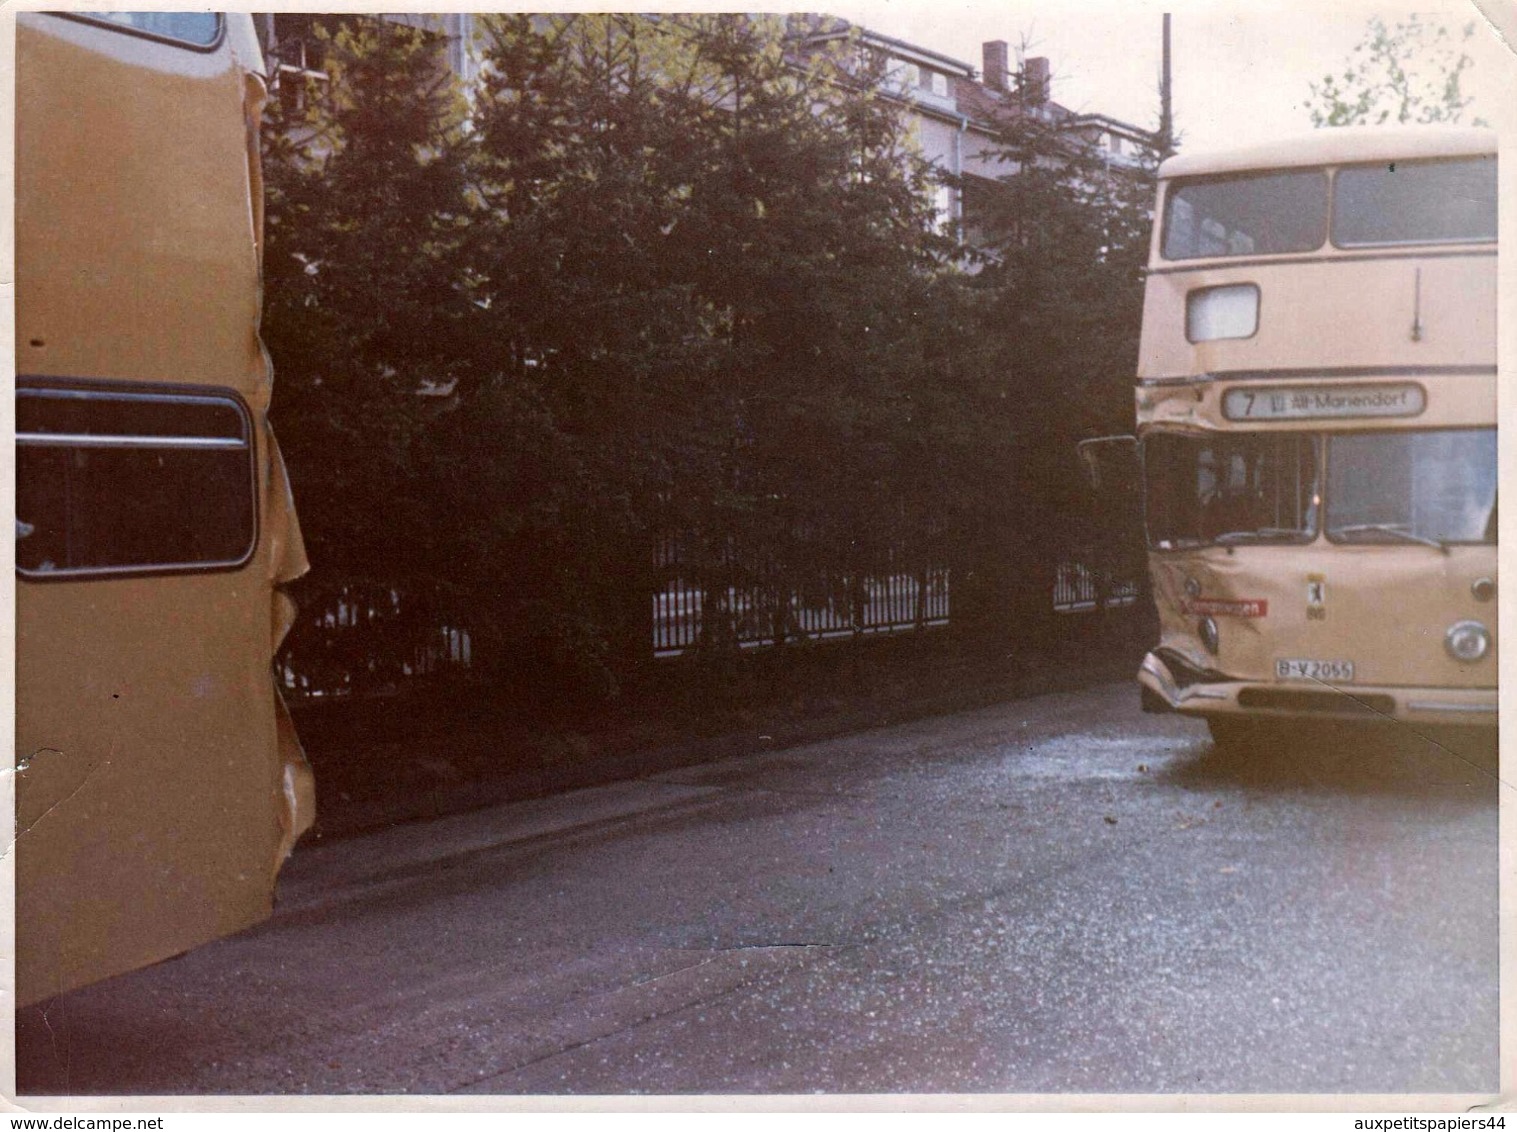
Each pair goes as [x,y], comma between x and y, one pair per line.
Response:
[1166,106]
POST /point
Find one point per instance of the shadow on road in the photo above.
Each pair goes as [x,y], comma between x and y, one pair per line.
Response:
[1353,757]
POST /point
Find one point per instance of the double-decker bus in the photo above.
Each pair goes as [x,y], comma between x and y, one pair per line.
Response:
[158,782]
[1316,417]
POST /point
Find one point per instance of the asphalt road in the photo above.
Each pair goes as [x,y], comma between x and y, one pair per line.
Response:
[1053,895]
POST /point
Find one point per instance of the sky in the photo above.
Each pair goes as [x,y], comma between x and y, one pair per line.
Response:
[1242,69]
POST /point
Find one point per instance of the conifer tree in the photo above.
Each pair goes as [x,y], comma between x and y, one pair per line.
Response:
[362,299]
[1061,297]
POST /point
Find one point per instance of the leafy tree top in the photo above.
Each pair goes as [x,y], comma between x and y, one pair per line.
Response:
[1407,73]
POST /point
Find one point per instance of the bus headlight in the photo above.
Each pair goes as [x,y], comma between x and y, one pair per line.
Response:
[1210,637]
[1467,641]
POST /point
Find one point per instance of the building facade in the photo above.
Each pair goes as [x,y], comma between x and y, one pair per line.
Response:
[960,119]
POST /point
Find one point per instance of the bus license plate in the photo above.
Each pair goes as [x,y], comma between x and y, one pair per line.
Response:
[1331,671]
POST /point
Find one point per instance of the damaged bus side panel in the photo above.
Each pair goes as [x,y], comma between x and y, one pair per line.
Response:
[159,784]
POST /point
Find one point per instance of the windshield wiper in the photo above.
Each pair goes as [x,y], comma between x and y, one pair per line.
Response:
[1255,535]
[1388,529]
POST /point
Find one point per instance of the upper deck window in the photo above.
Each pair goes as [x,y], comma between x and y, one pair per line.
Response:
[1422,202]
[195,29]
[1253,214]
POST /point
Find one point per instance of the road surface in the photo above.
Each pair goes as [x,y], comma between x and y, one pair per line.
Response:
[1052,895]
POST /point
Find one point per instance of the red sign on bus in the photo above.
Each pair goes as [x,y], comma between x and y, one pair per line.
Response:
[1226,607]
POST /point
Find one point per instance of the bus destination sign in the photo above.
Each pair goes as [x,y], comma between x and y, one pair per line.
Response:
[1317,402]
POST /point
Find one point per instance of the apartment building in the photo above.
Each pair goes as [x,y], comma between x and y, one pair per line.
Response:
[960,119]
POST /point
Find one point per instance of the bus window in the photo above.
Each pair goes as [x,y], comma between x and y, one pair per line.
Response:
[116,482]
[195,29]
[1257,214]
[1437,486]
[1239,487]
[1423,202]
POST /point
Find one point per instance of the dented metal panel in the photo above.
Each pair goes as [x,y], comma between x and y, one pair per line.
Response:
[159,783]
[1383,607]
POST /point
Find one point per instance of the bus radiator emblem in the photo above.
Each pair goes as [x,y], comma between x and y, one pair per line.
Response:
[1316,597]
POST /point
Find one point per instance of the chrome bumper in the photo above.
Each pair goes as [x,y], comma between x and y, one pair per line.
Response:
[1170,687]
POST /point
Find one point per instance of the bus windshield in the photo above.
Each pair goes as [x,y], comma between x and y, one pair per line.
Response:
[1436,486]
[1230,488]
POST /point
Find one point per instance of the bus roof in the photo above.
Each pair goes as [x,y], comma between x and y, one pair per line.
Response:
[1337,145]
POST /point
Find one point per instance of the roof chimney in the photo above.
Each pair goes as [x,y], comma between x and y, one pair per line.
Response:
[1035,80]
[996,69]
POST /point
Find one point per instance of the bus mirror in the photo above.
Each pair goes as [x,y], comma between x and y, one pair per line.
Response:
[1110,462]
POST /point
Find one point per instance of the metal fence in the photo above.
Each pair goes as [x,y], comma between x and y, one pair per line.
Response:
[356,642]
[365,641]
[1077,589]
[687,615]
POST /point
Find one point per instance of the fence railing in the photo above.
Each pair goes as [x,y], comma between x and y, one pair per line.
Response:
[365,641]
[687,615]
[357,642]
[1078,589]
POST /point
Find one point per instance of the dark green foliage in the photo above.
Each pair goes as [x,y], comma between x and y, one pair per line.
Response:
[1060,307]
[710,260]
[659,281]
[366,206]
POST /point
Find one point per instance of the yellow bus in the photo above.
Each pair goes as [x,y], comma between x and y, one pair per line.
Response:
[158,781]
[1316,412]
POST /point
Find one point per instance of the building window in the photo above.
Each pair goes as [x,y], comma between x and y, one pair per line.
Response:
[937,82]
[942,207]
[111,482]
[902,77]
[297,59]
